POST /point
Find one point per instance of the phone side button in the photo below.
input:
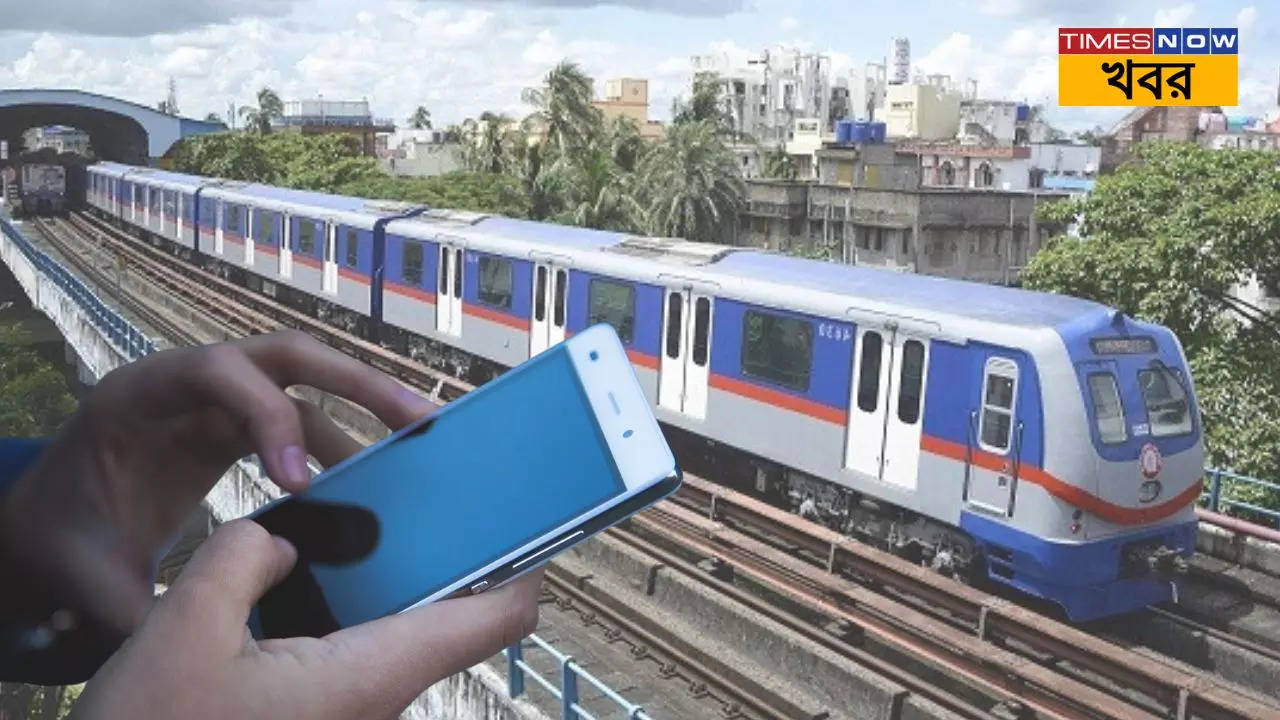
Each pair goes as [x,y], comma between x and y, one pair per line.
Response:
[479,587]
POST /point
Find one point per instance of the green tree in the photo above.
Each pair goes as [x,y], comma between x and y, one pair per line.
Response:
[270,107]
[1166,239]
[779,165]
[493,144]
[213,117]
[420,119]
[34,399]
[564,108]
[596,192]
[690,184]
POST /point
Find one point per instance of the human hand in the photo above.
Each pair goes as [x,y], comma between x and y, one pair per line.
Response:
[194,658]
[88,519]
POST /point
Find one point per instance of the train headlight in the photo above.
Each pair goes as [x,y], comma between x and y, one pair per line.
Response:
[1149,491]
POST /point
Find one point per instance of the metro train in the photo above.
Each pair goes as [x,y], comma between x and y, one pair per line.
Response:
[43,189]
[1033,440]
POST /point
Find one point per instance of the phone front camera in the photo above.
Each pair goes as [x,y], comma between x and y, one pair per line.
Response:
[628,433]
[594,356]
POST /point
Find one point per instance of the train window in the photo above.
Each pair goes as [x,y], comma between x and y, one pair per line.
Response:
[155,201]
[233,218]
[614,303]
[307,237]
[443,288]
[869,374]
[457,273]
[540,296]
[777,348]
[1167,408]
[411,261]
[1000,387]
[562,286]
[675,324]
[495,281]
[911,382]
[701,330]
[170,204]
[353,248]
[1108,414]
[264,227]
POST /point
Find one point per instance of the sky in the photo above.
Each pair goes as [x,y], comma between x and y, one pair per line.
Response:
[461,58]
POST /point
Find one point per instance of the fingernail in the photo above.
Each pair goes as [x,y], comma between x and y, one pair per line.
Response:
[294,461]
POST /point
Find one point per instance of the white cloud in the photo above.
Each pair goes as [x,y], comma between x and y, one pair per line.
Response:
[789,24]
[134,18]
[1247,18]
[1175,16]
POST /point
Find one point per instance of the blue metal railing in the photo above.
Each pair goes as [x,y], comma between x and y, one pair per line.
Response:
[121,333]
[1217,496]
[567,692]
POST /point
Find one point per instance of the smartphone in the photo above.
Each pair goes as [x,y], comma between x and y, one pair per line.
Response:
[493,485]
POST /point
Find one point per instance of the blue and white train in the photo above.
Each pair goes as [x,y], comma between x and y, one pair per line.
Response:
[1044,442]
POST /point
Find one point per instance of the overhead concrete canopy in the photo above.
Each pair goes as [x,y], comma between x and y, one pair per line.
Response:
[118,129]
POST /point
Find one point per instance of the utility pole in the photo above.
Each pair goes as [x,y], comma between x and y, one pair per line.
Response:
[171,102]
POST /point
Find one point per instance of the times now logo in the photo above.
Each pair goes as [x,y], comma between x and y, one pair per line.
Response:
[1148,41]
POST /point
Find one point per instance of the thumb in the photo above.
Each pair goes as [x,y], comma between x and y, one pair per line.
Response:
[229,572]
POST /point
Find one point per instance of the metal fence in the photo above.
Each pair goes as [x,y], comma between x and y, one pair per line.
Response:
[119,331]
[1218,496]
[567,691]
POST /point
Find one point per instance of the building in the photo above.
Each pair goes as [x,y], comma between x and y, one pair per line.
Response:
[313,117]
[1064,166]
[1176,124]
[1241,140]
[995,121]
[423,153]
[629,98]
[985,236]
[805,141]
[60,139]
[924,111]
[878,165]
[766,96]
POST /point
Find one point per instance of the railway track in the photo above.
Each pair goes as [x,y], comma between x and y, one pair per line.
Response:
[1002,659]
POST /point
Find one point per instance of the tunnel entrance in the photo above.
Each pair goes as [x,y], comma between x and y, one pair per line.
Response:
[118,130]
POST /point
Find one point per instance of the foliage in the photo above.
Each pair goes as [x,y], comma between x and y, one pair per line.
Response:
[29,702]
[704,105]
[563,163]
[213,117]
[1166,239]
[270,107]
[564,109]
[420,119]
[690,184]
[34,399]
[478,192]
[315,162]
[779,165]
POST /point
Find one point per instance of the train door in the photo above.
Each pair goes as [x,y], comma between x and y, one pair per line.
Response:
[903,420]
[330,275]
[217,226]
[449,291]
[134,192]
[995,430]
[550,295]
[684,370]
[869,397]
[177,217]
[286,250]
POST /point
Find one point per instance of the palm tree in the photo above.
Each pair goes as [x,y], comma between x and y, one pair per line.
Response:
[213,117]
[704,105]
[269,108]
[495,144]
[420,119]
[596,192]
[690,184]
[625,144]
[564,108]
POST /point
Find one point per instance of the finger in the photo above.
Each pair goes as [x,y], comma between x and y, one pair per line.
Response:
[327,442]
[216,376]
[296,358]
[401,655]
[209,603]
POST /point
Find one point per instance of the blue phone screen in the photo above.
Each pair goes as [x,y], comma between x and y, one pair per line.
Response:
[495,470]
